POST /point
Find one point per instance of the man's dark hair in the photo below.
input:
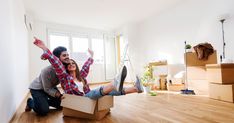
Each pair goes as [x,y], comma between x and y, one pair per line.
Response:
[58,50]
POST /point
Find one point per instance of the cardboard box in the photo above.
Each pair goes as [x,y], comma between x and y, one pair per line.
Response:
[163,82]
[84,107]
[220,73]
[98,115]
[175,87]
[177,80]
[200,87]
[196,72]
[222,92]
[192,59]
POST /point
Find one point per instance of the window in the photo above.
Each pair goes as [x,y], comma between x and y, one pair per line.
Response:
[80,44]
[104,67]
[121,46]
[123,49]
[58,40]
[98,49]
[110,57]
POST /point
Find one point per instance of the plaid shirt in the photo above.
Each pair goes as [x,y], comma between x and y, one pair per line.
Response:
[67,81]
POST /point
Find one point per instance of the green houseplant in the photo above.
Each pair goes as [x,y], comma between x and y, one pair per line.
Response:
[147,79]
[188,46]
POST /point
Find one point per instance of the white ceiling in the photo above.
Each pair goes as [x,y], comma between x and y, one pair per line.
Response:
[99,14]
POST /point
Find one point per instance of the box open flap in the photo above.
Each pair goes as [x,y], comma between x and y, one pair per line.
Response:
[79,103]
[105,102]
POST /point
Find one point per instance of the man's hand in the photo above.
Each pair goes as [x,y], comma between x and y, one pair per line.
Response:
[90,53]
[40,43]
[62,97]
[59,95]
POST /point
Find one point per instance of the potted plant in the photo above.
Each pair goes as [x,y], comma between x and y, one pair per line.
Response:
[147,79]
[188,47]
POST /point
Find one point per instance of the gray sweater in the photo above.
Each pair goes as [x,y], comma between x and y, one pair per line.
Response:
[46,81]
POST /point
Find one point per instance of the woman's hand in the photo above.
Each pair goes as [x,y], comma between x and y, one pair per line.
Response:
[90,53]
[40,44]
[43,58]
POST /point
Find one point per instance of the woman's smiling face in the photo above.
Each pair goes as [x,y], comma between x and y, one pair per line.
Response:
[71,66]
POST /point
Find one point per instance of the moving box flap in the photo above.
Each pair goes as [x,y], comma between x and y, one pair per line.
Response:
[105,102]
[79,103]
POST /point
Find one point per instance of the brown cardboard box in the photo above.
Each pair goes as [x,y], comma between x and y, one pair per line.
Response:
[84,107]
[220,73]
[196,72]
[163,82]
[222,92]
[192,59]
[175,87]
[98,115]
[200,87]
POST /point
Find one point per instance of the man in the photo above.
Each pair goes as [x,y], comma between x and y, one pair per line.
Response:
[43,89]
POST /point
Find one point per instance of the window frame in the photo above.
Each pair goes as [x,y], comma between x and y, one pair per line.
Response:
[78,35]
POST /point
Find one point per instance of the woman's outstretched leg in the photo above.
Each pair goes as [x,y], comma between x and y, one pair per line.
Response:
[110,89]
[137,88]
[118,82]
[116,85]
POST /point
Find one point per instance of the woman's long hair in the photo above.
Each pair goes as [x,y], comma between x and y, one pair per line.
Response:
[77,72]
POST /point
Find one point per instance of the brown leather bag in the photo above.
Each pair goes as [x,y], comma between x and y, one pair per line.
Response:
[203,50]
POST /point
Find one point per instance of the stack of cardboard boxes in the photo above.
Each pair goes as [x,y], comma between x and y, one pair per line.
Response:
[221,78]
[196,72]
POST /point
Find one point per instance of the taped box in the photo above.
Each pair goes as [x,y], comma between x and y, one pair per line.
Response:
[175,87]
[220,73]
[192,59]
[200,87]
[222,92]
[84,107]
[196,72]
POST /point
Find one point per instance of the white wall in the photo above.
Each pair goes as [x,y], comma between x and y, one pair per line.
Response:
[162,36]
[14,58]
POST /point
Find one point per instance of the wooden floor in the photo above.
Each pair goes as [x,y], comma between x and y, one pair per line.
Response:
[143,108]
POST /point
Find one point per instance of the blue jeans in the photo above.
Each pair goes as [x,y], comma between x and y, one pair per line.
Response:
[41,102]
[98,93]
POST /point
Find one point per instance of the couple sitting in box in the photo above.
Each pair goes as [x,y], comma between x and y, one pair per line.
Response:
[73,81]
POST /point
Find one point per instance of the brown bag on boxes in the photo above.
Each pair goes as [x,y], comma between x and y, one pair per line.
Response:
[203,50]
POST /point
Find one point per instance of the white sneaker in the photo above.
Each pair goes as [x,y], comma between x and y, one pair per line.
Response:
[138,85]
[119,79]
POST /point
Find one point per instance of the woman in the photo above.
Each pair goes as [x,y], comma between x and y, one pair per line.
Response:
[74,81]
